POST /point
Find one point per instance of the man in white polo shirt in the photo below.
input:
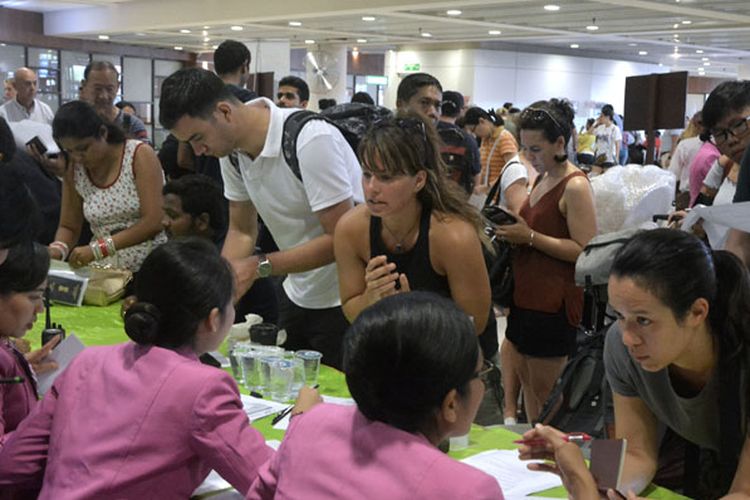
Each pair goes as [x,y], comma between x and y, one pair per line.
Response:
[301,215]
[26,106]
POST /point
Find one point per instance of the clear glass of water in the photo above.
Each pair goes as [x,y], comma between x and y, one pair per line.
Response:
[250,361]
[282,375]
[264,364]
[311,366]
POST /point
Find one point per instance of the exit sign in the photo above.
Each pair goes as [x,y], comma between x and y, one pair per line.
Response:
[412,68]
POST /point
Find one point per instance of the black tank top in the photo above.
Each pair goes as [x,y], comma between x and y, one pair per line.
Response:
[416,265]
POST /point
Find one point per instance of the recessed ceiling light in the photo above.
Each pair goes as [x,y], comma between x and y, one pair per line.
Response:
[295,23]
[494,32]
[552,7]
[453,12]
[687,21]
[207,27]
[675,55]
[103,37]
[675,26]
[184,31]
[361,40]
[642,53]
[704,58]
[632,45]
[592,27]
[574,45]
[177,47]
[236,28]
[427,35]
[707,64]
[206,39]
[368,19]
[699,51]
[309,42]
[661,65]
[214,47]
[140,34]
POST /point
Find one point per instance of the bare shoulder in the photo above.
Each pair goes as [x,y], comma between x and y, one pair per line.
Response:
[354,221]
[578,185]
[450,231]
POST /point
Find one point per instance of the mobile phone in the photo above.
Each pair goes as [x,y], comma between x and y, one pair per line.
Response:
[499,216]
[38,144]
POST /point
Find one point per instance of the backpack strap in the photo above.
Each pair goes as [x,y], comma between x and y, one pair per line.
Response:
[292,127]
[493,197]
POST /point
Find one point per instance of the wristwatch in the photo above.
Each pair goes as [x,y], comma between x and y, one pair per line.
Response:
[264,266]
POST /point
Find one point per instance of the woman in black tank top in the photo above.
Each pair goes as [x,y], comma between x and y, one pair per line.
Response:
[416,230]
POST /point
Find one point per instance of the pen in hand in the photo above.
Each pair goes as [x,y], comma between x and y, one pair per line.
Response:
[278,418]
[11,380]
[574,437]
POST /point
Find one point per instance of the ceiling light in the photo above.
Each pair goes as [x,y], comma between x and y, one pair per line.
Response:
[309,42]
[642,53]
[661,65]
[552,7]
[204,33]
[707,64]
[453,12]
[592,27]
[177,47]
[676,55]
[699,51]
[632,45]
[206,39]
[675,26]
[574,45]
[140,34]
[103,37]
[236,28]
[427,35]
[184,31]
[207,27]
[704,58]
[368,19]
[295,23]
[355,50]
[361,40]
[494,32]
[214,47]
[687,21]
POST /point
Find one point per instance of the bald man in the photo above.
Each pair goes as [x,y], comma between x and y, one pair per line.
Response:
[26,106]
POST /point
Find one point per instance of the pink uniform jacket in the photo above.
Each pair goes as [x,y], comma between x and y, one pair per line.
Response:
[335,452]
[16,400]
[129,421]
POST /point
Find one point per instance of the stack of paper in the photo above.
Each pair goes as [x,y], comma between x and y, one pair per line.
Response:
[516,480]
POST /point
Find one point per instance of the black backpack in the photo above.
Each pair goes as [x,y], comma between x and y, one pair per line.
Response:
[581,400]
[457,157]
[352,119]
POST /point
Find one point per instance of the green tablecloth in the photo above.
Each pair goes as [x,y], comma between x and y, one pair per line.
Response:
[103,326]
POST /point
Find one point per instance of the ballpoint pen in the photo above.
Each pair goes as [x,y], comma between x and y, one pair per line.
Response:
[573,437]
[280,416]
[11,380]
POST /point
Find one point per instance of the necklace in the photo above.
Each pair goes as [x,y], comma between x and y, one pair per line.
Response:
[399,248]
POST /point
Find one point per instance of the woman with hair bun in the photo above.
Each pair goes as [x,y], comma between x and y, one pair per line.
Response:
[554,224]
[678,358]
[415,370]
[146,419]
[497,149]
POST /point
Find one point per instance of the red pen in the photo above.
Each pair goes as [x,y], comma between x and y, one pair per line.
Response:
[573,437]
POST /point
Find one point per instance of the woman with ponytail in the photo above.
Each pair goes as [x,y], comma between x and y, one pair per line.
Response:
[416,231]
[554,224]
[146,419]
[678,357]
[497,149]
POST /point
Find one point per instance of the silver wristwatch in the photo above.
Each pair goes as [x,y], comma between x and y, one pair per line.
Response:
[264,266]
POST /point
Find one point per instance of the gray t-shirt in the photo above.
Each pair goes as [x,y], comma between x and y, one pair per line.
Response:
[695,419]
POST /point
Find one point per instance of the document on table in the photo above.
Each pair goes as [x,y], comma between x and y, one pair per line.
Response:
[62,354]
[257,408]
[516,480]
[283,424]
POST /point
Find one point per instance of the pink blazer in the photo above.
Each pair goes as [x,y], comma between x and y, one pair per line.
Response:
[16,400]
[335,452]
[128,421]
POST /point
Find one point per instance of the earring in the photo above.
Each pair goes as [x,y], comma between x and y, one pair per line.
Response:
[561,158]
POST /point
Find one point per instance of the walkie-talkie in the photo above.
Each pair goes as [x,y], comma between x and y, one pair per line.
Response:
[50,329]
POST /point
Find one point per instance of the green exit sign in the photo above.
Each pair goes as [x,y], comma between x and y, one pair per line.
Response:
[413,67]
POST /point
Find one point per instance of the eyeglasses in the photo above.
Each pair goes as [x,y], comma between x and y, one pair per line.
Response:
[289,95]
[540,115]
[721,136]
[488,367]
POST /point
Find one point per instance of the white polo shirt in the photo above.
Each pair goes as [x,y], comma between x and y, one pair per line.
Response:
[14,112]
[331,174]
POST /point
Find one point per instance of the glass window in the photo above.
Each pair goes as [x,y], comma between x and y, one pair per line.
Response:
[46,63]
[12,57]
[43,58]
[72,65]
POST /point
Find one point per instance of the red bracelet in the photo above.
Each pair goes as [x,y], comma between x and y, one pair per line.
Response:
[103,247]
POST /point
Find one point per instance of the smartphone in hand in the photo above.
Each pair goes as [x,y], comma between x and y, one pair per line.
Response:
[38,144]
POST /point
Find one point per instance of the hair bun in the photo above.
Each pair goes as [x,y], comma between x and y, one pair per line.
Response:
[142,322]
[564,108]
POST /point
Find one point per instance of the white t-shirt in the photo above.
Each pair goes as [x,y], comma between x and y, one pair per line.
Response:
[513,171]
[331,174]
[683,156]
[12,111]
[607,138]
